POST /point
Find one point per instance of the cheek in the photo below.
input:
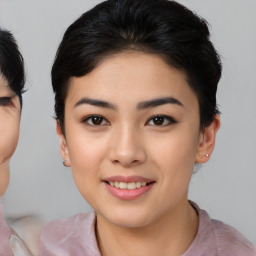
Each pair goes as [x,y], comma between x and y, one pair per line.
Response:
[175,149]
[86,156]
[175,156]
[9,130]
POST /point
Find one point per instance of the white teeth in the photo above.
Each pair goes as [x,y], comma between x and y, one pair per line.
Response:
[132,185]
[125,185]
[116,184]
[138,184]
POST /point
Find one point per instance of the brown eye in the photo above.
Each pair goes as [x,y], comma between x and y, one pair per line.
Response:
[161,120]
[96,120]
[158,120]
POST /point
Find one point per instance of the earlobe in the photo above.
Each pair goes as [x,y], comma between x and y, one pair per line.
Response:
[207,141]
[63,146]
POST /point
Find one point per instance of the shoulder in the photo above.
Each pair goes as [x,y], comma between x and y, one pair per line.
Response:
[71,236]
[231,242]
[215,238]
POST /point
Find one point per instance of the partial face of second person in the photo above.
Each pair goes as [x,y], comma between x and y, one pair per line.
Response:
[9,129]
[132,136]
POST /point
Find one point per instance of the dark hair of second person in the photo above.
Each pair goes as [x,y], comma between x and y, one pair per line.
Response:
[11,62]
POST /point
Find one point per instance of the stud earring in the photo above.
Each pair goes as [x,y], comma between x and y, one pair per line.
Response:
[207,155]
[66,163]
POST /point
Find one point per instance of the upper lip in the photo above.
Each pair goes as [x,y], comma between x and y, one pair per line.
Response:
[128,179]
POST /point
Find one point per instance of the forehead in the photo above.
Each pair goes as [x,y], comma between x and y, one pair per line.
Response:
[4,87]
[3,81]
[131,75]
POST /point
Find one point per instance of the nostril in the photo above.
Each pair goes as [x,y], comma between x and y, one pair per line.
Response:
[126,162]
[125,157]
[115,162]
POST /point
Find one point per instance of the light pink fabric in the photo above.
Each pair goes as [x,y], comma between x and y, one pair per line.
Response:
[76,237]
[215,238]
[10,242]
[5,234]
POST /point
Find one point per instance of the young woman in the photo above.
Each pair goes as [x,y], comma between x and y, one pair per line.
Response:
[11,87]
[135,98]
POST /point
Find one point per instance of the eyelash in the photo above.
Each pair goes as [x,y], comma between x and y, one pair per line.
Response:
[167,120]
[90,119]
[5,101]
[163,119]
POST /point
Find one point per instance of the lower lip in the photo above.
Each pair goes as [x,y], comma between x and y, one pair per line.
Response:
[128,194]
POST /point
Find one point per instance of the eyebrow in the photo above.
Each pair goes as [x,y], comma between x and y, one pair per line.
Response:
[158,102]
[95,102]
[140,106]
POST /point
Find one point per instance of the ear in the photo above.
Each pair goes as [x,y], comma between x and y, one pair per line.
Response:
[63,146]
[207,141]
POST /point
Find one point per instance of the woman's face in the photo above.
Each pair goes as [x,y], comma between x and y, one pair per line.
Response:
[9,129]
[132,137]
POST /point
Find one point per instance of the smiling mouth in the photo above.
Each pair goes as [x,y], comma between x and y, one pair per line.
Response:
[128,185]
[128,188]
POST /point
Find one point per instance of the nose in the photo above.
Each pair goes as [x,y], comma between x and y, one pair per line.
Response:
[126,147]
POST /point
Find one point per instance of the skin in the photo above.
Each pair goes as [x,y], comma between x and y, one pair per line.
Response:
[9,130]
[127,141]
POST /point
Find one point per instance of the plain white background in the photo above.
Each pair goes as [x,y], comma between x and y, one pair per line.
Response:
[225,186]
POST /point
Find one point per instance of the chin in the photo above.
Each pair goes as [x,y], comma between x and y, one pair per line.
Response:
[130,223]
[128,219]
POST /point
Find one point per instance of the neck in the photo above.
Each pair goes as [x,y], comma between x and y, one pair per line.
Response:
[170,235]
[4,177]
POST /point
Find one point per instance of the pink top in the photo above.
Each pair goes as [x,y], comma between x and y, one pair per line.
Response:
[76,237]
[5,235]
[10,243]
